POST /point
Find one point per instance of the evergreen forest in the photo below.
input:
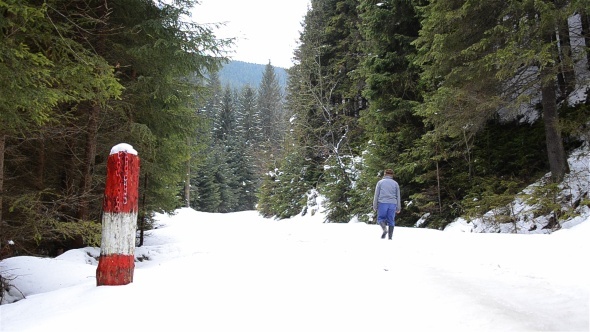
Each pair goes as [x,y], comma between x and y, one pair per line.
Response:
[238,74]
[467,101]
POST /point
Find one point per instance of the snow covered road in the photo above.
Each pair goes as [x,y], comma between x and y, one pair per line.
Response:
[223,272]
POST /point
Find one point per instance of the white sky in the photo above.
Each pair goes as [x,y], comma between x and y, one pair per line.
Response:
[265,29]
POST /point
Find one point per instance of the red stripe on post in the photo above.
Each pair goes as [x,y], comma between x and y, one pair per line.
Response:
[119,221]
[121,191]
[116,270]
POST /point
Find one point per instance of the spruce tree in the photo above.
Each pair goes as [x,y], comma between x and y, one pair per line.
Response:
[225,121]
[329,98]
[270,104]
[85,51]
[390,124]
[244,184]
[500,56]
[270,115]
[248,140]
[214,94]
[44,64]
[283,192]
[206,196]
[226,178]
[249,122]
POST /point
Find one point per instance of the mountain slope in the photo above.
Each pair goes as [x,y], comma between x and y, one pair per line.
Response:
[239,74]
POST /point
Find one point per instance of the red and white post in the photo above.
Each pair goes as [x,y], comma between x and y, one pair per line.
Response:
[119,220]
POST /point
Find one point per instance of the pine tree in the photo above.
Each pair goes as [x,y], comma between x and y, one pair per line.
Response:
[248,139]
[249,122]
[271,120]
[206,195]
[326,98]
[390,125]
[226,117]
[85,51]
[507,52]
[282,193]
[43,65]
[245,183]
[226,178]
[270,99]
[213,99]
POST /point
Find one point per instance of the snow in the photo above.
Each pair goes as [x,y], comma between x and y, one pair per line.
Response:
[123,147]
[239,271]
[573,188]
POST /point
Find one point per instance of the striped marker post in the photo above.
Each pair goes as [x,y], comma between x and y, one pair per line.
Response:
[119,220]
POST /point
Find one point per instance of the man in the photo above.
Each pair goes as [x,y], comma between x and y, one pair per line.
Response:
[387,202]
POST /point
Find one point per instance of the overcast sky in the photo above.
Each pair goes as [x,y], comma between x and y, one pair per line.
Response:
[266,30]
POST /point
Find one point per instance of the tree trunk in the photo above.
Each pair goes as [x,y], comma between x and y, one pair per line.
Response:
[89,162]
[438,189]
[555,150]
[187,180]
[187,184]
[2,148]
[102,16]
[585,18]
[566,77]
[144,209]
[41,163]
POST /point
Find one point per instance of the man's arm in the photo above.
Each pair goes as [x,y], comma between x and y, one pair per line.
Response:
[376,196]
[399,199]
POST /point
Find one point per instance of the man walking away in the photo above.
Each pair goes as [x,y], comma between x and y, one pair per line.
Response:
[387,202]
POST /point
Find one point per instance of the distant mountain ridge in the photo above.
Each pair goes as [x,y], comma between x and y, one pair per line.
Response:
[238,74]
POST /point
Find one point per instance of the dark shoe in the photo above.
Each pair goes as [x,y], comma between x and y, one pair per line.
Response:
[384,230]
[384,233]
[390,232]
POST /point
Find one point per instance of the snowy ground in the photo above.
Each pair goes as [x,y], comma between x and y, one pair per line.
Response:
[241,272]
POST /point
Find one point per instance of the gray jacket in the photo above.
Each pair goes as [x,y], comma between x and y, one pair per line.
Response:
[387,191]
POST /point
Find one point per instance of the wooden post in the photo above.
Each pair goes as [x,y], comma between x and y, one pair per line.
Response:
[119,220]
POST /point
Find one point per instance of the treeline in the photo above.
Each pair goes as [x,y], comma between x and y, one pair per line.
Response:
[468,102]
[77,78]
[238,74]
[245,128]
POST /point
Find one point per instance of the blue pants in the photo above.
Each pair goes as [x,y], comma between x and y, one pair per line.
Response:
[386,213]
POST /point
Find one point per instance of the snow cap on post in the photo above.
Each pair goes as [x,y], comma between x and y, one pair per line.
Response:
[123,147]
